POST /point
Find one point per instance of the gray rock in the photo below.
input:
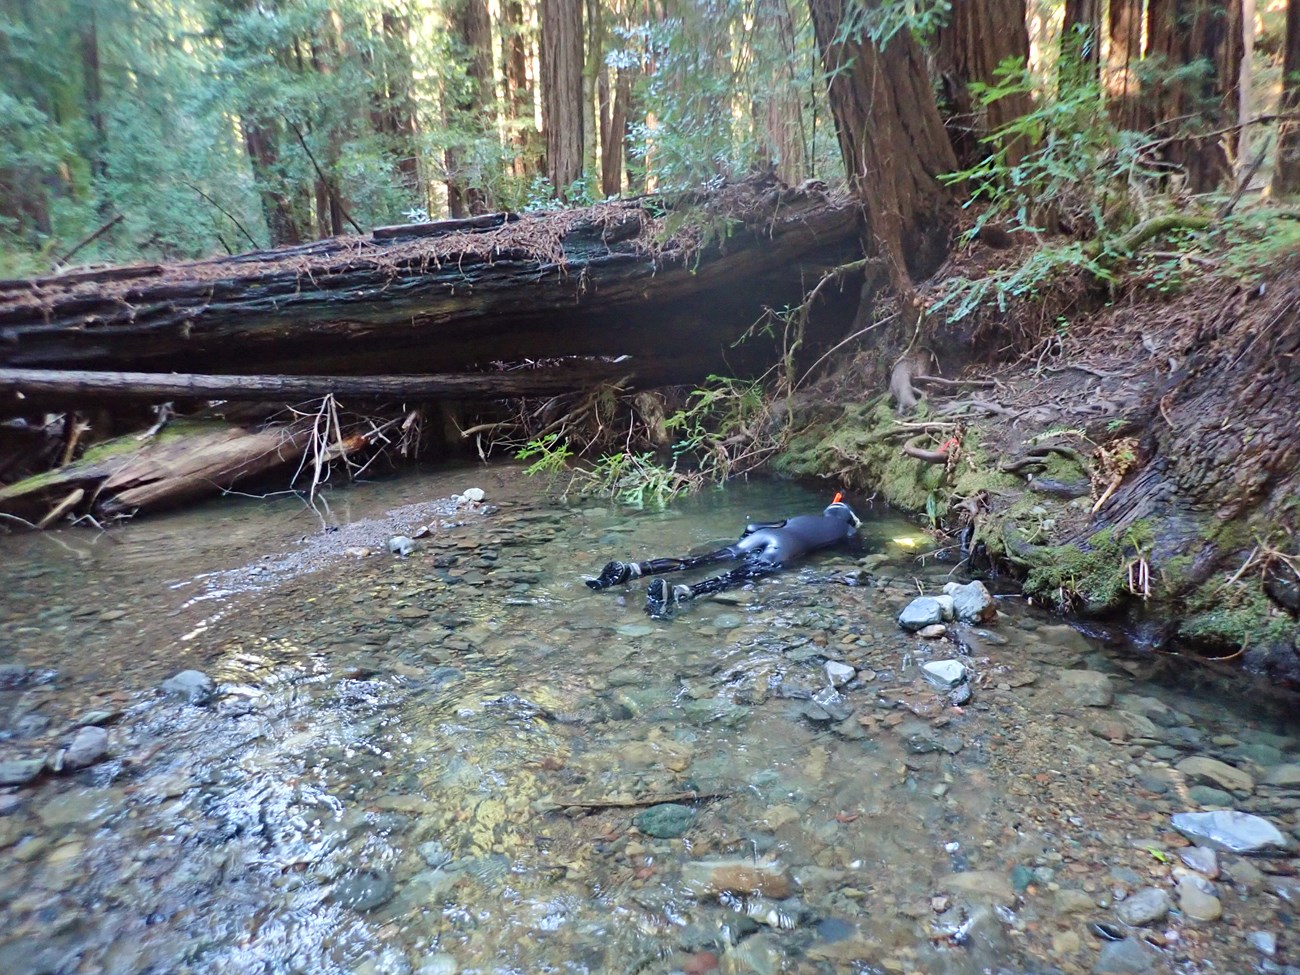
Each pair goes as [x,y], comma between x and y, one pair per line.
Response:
[401,545]
[1287,776]
[1209,771]
[1196,898]
[1086,687]
[474,494]
[365,890]
[1264,942]
[1229,830]
[434,853]
[981,886]
[838,673]
[972,602]
[1208,795]
[709,878]
[193,686]
[945,674]
[88,746]
[921,612]
[960,696]
[1201,859]
[20,771]
[1147,905]
[1128,957]
[1072,901]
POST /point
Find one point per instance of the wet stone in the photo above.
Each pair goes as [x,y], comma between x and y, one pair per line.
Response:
[1197,900]
[365,890]
[1128,957]
[1209,771]
[945,674]
[1086,687]
[1229,830]
[921,612]
[665,821]
[88,746]
[1146,906]
[1207,795]
[20,771]
[190,685]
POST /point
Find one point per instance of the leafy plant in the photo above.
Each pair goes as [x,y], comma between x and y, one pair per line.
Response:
[552,455]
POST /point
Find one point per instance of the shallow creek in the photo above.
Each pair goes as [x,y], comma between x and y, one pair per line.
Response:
[433,764]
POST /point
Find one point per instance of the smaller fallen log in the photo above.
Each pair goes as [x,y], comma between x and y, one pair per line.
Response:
[87,385]
[187,461]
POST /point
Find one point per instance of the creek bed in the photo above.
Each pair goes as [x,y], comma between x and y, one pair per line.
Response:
[447,762]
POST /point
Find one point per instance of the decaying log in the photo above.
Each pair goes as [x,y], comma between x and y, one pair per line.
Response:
[189,461]
[616,279]
[74,386]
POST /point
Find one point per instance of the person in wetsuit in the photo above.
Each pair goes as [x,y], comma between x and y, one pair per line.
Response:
[761,550]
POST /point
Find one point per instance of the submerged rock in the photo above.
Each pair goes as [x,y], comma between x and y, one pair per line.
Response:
[1229,830]
[1131,956]
[1087,687]
[88,746]
[193,686]
[665,821]
[838,673]
[365,890]
[713,877]
[1147,905]
[401,545]
[1209,771]
[20,771]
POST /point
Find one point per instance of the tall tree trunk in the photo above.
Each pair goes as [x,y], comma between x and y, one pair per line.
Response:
[92,92]
[562,110]
[399,120]
[277,208]
[1204,34]
[1081,35]
[1286,177]
[471,108]
[514,69]
[1122,83]
[780,115]
[979,36]
[891,139]
[614,106]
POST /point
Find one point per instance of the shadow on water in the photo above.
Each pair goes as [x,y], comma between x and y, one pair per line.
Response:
[450,762]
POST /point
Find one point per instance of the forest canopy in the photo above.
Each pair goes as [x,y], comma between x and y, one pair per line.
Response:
[169,129]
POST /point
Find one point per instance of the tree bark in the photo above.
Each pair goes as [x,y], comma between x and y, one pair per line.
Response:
[1286,178]
[978,37]
[78,386]
[399,120]
[1187,33]
[1081,37]
[613,127]
[891,139]
[1122,82]
[779,117]
[578,283]
[472,108]
[519,96]
[562,112]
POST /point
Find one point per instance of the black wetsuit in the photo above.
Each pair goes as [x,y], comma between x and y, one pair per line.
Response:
[761,550]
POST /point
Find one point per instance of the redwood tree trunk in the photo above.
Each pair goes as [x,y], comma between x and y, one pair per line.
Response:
[1208,33]
[979,35]
[1122,84]
[892,141]
[472,107]
[514,69]
[398,118]
[1081,34]
[781,113]
[562,91]
[1286,178]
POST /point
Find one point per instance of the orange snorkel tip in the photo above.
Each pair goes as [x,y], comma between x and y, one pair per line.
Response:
[839,495]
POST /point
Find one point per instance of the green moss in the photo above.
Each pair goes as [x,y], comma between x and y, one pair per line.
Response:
[1092,576]
[1228,617]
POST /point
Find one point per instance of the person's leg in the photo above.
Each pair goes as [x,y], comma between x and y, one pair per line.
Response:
[661,599]
[617,573]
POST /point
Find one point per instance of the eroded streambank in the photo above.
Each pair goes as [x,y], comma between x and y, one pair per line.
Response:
[1128,455]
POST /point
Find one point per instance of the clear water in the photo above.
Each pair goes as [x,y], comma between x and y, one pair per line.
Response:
[433,764]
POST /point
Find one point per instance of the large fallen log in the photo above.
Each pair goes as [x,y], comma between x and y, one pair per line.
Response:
[627,278]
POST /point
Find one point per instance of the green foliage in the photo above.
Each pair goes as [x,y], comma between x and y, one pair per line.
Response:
[1255,239]
[1092,576]
[1027,280]
[1062,158]
[549,455]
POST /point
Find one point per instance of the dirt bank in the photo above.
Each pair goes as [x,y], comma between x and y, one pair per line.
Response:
[1128,446]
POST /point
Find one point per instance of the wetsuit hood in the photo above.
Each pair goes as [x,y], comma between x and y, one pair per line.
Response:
[842,511]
